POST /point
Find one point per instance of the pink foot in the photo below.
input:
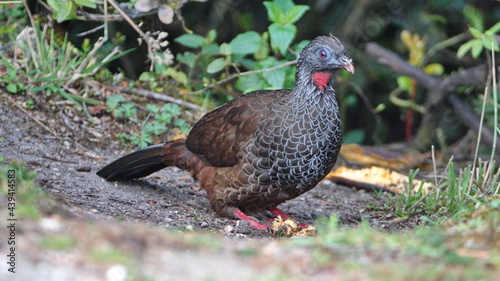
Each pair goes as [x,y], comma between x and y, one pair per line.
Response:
[277,212]
[253,223]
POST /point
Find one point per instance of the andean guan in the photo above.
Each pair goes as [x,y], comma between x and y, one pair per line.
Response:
[262,148]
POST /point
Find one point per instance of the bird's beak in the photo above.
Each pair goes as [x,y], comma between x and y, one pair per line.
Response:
[347,64]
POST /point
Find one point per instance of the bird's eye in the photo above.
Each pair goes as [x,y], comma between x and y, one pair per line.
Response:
[322,54]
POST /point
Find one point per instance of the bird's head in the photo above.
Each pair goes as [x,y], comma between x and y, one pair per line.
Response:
[321,58]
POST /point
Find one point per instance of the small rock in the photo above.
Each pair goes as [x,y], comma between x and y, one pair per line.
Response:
[228,229]
[51,224]
[83,169]
[117,272]
[317,214]
[67,144]
[97,110]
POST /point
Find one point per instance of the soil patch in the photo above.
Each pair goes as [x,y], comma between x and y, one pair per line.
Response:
[66,161]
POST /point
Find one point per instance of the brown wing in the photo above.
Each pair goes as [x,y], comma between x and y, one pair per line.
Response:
[217,136]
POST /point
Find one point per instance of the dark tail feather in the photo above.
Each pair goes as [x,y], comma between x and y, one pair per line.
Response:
[137,164]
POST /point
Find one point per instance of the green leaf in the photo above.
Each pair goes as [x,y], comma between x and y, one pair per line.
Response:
[295,13]
[494,29]
[191,40]
[465,48]
[188,58]
[216,65]
[475,32]
[67,10]
[281,36]
[263,51]
[225,49]
[128,109]
[54,4]
[12,87]
[474,16]
[275,78]
[113,101]
[211,35]
[434,69]
[172,109]
[152,108]
[212,49]
[178,76]
[142,140]
[284,5]
[87,3]
[164,117]
[404,83]
[155,128]
[354,136]
[274,12]
[245,43]
[251,82]
[147,76]
[489,42]
[477,48]
[350,100]
[182,125]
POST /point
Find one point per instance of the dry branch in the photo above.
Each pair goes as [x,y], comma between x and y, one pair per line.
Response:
[163,97]
[440,92]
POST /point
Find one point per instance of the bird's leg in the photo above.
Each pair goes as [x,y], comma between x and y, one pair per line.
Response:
[284,216]
[277,212]
[253,223]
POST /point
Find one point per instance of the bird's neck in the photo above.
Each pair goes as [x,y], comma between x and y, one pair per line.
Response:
[321,79]
[314,89]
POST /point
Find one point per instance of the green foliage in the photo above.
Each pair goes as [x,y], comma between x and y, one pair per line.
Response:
[58,242]
[156,128]
[12,18]
[474,16]
[244,44]
[354,136]
[216,65]
[141,139]
[249,50]
[113,102]
[423,243]
[163,118]
[183,126]
[283,14]
[119,109]
[67,10]
[191,40]
[29,104]
[126,111]
[482,39]
[451,197]
[48,66]
[30,199]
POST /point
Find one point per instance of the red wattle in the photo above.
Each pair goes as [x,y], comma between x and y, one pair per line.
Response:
[321,79]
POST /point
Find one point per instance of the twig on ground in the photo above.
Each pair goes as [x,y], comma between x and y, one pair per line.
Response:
[440,90]
[163,97]
[59,159]
[34,119]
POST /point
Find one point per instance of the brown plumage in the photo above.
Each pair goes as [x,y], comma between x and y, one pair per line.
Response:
[260,149]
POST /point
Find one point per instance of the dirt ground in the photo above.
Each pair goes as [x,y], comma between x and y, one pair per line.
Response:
[67,157]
